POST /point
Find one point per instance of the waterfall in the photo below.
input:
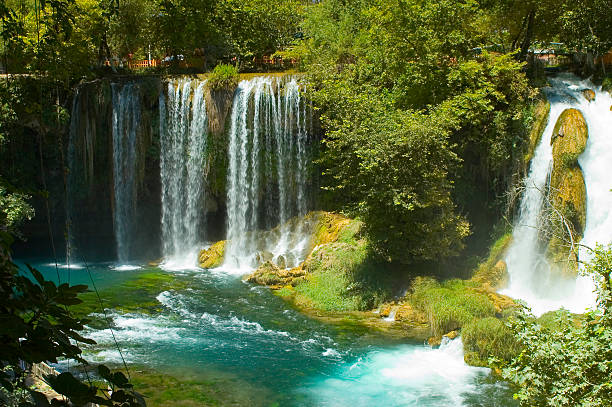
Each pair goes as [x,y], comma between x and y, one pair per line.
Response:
[80,156]
[266,182]
[126,126]
[183,130]
[530,273]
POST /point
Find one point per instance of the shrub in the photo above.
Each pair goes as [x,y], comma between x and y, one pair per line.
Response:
[567,360]
[344,277]
[223,77]
[488,337]
[450,305]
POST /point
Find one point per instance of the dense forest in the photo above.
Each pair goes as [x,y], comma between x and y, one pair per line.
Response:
[426,117]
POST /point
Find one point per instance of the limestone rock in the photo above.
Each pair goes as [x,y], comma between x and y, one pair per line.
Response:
[588,94]
[501,302]
[407,314]
[434,341]
[213,256]
[495,277]
[568,190]
[266,274]
[570,134]
[263,256]
[271,275]
[385,310]
[452,334]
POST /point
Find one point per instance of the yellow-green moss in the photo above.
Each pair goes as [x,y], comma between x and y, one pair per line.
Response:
[329,227]
[541,113]
[213,256]
[493,272]
[449,305]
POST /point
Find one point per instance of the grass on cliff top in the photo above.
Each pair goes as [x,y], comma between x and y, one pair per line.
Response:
[223,77]
[449,305]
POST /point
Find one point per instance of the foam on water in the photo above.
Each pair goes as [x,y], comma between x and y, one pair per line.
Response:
[179,304]
[407,376]
[126,267]
[137,328]
[65,266]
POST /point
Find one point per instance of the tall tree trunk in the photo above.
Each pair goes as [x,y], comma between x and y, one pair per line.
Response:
[528,35]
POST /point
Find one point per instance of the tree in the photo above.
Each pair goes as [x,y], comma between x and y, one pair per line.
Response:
[587,26]
[390,168]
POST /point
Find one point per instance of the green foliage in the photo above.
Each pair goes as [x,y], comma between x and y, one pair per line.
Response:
[488,337]
[571,363]
[587,25]
[15,208]
[449,305]
[416,124]
[223,77]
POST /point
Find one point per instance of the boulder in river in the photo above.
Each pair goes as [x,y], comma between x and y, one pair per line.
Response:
[588,94]
[213,256]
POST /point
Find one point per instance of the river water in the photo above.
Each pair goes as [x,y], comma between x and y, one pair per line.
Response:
[264,353]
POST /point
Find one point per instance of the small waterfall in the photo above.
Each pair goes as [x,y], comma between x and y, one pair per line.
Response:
[183,129]
[530,273]
[268,157]
[72,177]
[126,126]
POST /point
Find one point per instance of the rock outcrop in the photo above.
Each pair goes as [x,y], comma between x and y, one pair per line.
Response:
[567,187]
[213,256]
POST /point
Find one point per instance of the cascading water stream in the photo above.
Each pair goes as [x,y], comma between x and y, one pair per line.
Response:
[183,130]
[531,278]
[126,125]
[267,182]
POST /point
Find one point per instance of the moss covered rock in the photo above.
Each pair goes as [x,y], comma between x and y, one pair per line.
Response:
[271,275]
[213,256]
[330,227]
[567,187]
[570,135]
[493,272]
